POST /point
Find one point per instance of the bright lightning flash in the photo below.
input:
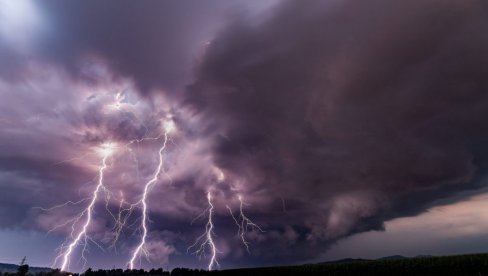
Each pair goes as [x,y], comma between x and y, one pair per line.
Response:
[206,239]
[119,97]
[168,126]
[81,237]
[106,149]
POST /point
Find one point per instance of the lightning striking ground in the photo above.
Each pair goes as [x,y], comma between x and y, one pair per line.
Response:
[206,239]
[65,255]
[168,127]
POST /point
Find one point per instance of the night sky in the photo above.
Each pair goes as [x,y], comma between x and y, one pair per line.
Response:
[341,128]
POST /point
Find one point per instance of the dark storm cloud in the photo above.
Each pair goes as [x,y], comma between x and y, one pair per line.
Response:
[155,43]
[357,111]
[23,177]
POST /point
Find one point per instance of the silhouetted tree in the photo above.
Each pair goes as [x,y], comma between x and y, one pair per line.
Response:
[89,272]
[23,268]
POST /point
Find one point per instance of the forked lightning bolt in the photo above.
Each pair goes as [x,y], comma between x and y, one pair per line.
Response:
[206,239]
[243,223]
[121,220]
[168,127]
[82,236]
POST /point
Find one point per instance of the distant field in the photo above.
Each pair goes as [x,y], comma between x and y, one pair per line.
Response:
[11,268]
[462,265]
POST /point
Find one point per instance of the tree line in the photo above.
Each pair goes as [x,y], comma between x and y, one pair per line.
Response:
[464,265]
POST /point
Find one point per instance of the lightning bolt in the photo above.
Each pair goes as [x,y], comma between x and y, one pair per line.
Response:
[206,239]
[65,255]
[121,220]
[244,224]
[168,126]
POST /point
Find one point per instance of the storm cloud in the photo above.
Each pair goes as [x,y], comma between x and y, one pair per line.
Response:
[354,111]
[328,118]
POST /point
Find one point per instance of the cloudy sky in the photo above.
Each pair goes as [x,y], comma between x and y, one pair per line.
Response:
[340,128]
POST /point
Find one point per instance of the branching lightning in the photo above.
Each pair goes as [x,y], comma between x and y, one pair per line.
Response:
[244,224]
[123,215]
[168,127]
[206,239]
[81,236]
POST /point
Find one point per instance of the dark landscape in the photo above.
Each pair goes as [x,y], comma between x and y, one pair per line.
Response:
[462,265]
